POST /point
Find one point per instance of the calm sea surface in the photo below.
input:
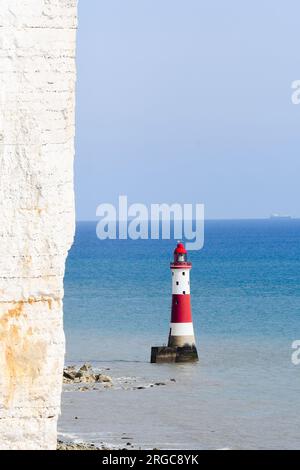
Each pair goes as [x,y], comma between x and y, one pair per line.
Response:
[244,392]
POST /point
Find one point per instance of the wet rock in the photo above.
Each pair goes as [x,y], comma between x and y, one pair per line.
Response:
[86,367]
[68,375]
[103,378]
[67,378]
[84,374]
[88,378]
[72,446]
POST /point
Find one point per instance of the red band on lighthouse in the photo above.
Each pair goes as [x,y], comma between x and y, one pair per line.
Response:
[181,309]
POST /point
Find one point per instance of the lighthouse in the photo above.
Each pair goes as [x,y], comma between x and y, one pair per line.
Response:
[181,343]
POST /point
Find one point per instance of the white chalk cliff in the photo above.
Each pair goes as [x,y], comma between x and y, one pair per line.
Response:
[37,90]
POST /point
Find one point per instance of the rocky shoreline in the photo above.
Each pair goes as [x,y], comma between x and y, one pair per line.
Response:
[61,445]
[85,378]
[84,374]
[93,380]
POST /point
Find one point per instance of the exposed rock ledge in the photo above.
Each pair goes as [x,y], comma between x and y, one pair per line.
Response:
[72,446]
[84,374]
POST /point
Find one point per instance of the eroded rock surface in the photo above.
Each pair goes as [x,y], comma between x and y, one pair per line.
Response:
[73,446]
[84,374]
[37,83]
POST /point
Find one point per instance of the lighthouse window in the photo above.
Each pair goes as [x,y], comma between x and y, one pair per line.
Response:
[183,292]
[183,273]
[177,283]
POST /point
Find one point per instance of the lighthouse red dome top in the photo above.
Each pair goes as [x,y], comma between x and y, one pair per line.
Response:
[180,249]
[180,257]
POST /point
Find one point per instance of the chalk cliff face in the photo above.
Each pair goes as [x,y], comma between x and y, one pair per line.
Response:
[37,83]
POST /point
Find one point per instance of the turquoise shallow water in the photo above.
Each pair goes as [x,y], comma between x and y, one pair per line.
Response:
[245,298]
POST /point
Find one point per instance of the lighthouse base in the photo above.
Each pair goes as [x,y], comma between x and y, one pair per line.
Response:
[161,354]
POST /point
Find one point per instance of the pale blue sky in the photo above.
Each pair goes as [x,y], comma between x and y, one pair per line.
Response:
[188,102]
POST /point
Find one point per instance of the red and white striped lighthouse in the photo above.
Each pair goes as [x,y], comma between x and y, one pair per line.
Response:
[181,344]
[181,326]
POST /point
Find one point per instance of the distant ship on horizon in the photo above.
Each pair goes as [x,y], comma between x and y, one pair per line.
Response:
[280,217]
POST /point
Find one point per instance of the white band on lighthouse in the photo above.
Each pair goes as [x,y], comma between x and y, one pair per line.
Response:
[182,329]
[181,281]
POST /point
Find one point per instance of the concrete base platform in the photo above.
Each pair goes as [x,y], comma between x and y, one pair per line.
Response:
[161,354]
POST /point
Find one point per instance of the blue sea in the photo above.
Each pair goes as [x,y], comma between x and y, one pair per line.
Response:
[245,288]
